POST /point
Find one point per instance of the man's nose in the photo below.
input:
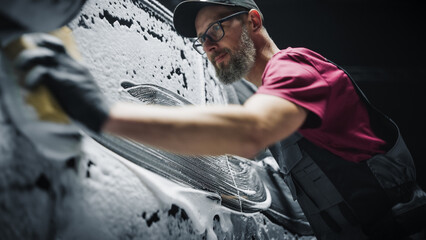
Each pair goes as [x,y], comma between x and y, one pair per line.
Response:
[209,45]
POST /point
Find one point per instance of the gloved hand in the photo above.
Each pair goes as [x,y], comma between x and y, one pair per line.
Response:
[69,81]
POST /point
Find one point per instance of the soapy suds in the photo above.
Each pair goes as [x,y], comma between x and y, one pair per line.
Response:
[205,173]
[235,183]
[201,206]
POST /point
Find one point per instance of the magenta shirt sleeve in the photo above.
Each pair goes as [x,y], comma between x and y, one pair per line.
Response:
[292,77]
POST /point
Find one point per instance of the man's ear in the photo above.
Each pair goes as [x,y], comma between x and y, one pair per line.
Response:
[255,19]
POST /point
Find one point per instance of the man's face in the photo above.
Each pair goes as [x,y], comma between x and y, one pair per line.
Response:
[234,55]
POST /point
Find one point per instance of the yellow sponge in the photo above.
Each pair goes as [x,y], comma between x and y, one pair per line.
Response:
[40,98]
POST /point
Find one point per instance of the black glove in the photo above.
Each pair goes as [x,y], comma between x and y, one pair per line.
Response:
[69,81]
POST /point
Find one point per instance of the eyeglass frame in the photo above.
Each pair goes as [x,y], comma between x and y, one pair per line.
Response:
[197,43]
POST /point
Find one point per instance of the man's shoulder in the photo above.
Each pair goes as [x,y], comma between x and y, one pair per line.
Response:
[300,52]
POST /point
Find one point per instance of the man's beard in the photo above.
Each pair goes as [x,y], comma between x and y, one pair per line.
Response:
[240,63]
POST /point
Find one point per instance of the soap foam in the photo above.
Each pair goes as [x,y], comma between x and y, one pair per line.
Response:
[201,206]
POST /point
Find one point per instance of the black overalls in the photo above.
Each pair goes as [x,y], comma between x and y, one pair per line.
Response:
[346,200]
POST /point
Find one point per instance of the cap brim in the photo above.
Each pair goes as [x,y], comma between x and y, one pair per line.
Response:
[185,14]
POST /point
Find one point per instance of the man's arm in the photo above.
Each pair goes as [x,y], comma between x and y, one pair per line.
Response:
[214,130]
[208,130]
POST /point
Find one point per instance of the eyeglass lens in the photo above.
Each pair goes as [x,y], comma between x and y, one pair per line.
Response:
[214,33]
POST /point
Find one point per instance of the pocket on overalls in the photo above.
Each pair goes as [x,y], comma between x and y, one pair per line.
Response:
[394,169]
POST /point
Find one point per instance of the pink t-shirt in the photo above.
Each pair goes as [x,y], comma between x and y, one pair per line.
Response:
[338,120]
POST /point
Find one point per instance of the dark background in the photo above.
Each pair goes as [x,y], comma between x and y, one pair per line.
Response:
[380,43]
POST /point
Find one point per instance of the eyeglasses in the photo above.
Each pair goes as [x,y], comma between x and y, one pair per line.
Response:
[214,33]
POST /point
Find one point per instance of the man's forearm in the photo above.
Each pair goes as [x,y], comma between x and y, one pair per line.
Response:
[195,130]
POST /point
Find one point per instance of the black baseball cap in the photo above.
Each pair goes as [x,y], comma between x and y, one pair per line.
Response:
[186,12]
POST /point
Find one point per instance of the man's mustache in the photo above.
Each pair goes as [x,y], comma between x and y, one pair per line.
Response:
[217,53]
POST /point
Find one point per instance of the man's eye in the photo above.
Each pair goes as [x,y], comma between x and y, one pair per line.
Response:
[216,27]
